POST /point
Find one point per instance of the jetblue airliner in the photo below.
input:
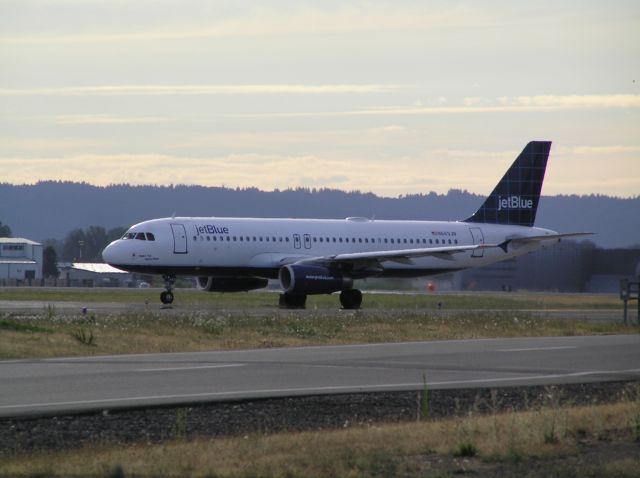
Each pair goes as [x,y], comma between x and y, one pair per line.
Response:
[313,256]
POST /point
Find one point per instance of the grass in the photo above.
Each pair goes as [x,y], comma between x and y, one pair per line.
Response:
[506,444]
[260,299]
[42,335]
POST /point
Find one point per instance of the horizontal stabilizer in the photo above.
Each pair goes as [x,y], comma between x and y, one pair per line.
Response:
[531,239]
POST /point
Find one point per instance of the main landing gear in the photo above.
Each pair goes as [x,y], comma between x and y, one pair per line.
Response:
[290,301]
[349,299]
[166,297]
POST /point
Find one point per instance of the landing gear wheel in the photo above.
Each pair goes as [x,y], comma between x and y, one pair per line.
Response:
[166,297]
[351,299]
[288,301]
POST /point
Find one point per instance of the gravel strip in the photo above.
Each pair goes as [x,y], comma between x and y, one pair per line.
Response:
[217,419]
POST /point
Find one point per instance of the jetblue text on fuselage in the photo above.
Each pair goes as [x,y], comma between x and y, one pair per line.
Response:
[211,229]
[514,202]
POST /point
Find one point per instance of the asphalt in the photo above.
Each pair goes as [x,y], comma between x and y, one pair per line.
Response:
[85,384]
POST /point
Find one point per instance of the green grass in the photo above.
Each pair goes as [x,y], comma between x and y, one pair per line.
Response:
[18,326]
[188,297]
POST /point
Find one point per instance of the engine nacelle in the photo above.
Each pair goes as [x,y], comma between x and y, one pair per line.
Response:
[230,284]
[309,279]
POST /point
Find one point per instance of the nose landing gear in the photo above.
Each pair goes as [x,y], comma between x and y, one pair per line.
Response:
[166,297]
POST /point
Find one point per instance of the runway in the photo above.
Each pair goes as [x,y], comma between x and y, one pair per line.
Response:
[61,385]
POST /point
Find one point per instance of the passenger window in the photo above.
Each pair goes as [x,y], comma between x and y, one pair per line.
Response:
[430,241]
[208,238]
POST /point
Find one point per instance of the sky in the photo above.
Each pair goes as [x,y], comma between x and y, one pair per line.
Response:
[390,97]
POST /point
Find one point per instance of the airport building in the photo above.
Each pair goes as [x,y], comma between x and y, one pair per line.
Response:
[84,274]
[566,267]
[20,261]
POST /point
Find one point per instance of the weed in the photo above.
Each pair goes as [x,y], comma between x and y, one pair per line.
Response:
[83,337]
[465,450]
[633,394]
[180,426]
[551,415]
[423,411]
[50,311]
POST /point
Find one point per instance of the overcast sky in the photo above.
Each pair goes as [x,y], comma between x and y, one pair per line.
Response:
[391,97]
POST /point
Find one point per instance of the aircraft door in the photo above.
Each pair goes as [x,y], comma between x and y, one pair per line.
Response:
[307,241]
[296,241]
[478,238]
[179,238]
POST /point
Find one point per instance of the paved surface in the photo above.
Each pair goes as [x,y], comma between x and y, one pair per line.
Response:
[95,383]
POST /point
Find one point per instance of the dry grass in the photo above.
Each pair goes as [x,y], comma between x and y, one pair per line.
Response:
[388,450]
[50,334]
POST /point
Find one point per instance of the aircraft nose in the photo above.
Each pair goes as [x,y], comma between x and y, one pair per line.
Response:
[109,254]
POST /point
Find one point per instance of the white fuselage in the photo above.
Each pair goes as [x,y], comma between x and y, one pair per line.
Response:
[215,246]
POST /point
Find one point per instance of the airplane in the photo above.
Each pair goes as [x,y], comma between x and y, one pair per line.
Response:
[319,256]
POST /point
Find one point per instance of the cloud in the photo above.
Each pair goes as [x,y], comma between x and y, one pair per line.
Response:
[475,105]
[166,90]
[605,150]
[251,22]
[106,119]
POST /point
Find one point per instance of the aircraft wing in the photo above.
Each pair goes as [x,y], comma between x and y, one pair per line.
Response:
[532,239]
[402,256]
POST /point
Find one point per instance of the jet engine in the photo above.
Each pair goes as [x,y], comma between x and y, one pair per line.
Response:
[299,279]
[230,284]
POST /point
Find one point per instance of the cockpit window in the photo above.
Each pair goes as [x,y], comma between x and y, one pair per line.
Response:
[150,237]
[129,235]
[140,236]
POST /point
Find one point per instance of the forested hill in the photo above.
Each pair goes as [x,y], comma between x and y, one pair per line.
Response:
[52,209]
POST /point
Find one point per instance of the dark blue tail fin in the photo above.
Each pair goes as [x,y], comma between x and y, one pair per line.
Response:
[514,200]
